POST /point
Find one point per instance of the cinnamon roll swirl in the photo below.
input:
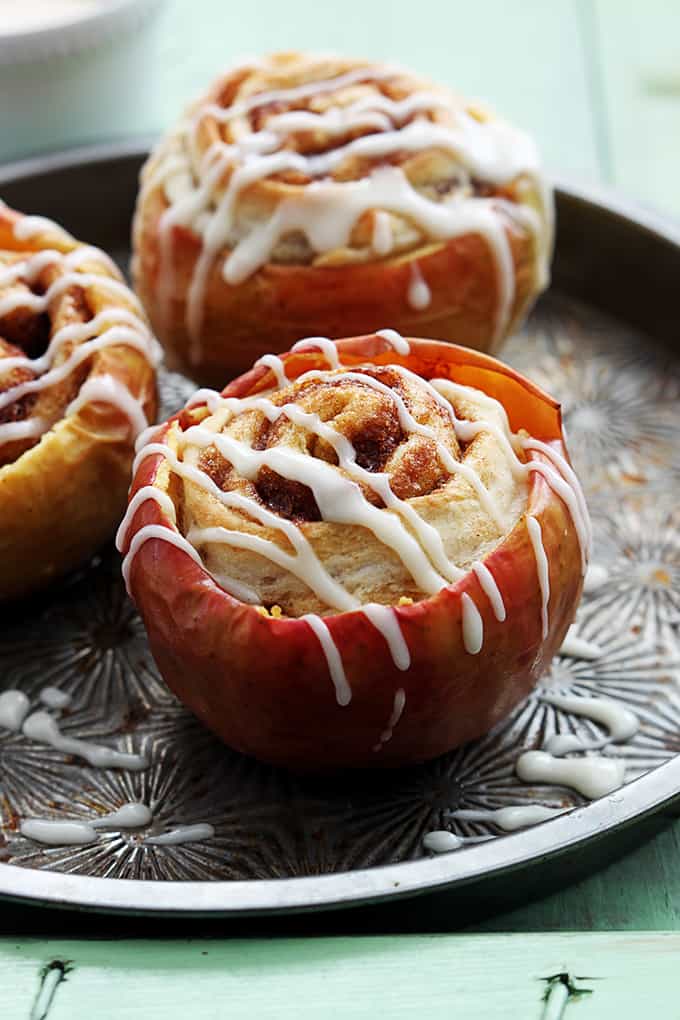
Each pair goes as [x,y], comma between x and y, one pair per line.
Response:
[310,194]
[77,385]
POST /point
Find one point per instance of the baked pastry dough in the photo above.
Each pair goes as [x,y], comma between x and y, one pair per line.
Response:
[77,385]
[307,194]
[356,534]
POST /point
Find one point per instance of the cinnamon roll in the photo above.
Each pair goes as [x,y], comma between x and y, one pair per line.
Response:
[360,553]
[307,194]
[77,385]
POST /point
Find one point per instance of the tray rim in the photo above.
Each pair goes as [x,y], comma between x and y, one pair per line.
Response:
[583,826]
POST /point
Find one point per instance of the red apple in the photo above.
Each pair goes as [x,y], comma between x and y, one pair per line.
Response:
[263,684]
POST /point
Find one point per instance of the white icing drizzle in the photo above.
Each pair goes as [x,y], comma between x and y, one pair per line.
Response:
[109,390]
[409,424]
[565,483]
[155,531]
[326,210]
[396,714]
[142,495]
[53,832]
[542,567]
[593,777]
[14,707]
[339,499]
[510,819]
[397,342]
[576,647]
[29,428]
[419,294]
[43,728]
[182,834]
[441,841]
[620,722]
[115,326]
[473,626]
[133,815]
[386,621]
[382,240]
[320,343]
[343,692]
[29,226]
[596,575]
[273,362]
[52,697]
[129,816]
[488,585]
[558,473]
[305,559]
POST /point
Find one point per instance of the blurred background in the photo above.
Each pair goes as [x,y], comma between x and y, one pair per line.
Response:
[596,81]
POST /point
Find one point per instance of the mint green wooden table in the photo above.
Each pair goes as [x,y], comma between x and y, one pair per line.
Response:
[598,82]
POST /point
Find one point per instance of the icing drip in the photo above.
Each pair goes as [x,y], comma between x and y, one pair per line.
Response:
[395,340]
[536,537]
[441,841]
[14,707]
[52,697]
[382,240]
[386,621]
[419,294]
[273,362]
[106,389]
[593,776]
[129,816]
[558,473]
[141,496]
[473,626]
[621,723]
[343,692]
[510,819]
[577,647]
[596,575]
[156,531]
[397,711]
[490,589]
[43,728]
[320,343]
[327,210]
[182,834]
[52,832]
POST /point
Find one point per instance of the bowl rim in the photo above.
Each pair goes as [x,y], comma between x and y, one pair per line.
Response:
[88,28]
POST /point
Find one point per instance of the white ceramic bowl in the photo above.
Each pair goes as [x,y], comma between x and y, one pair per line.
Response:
[74,71]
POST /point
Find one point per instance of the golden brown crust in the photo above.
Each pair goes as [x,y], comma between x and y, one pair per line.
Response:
[63,488]
[300,290]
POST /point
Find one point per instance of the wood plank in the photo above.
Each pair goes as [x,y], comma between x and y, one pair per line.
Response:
[640,892]
[527,61]
[641,77]
[487,977]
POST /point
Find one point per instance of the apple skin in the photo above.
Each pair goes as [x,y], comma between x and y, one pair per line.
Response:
[280,303]
[263,684]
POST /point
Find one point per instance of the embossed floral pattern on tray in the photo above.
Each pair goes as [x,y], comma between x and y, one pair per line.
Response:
[620,398]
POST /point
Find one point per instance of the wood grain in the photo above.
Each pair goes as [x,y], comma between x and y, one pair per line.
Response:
[488,977]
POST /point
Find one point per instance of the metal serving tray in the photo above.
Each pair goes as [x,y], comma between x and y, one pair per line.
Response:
[604,341]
